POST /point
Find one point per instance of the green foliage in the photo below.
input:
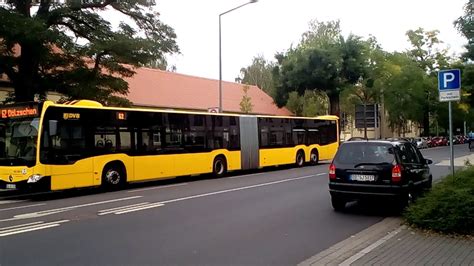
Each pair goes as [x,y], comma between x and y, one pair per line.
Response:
[323,61]
[465,25]
[71,49]
[313,103]
[404,94]
[246,105]
[259,73]
[430,58]
[449,207]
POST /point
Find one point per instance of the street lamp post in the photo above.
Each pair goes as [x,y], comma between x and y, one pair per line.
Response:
[220,50]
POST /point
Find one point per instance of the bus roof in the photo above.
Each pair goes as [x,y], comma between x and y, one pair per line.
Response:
[88,104]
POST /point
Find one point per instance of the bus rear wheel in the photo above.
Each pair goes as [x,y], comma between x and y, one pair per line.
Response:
[219,166]
[113,176]
[299,159]
[314,157]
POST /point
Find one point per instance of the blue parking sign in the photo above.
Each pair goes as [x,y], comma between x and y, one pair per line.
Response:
[449,85]
[449,79]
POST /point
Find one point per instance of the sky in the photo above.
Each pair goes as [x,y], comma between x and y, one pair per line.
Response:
[271,26]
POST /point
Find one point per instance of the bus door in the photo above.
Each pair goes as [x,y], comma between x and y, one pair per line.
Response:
[65,152]
[151,163]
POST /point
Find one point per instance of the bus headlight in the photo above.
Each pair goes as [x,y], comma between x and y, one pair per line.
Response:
[34,178]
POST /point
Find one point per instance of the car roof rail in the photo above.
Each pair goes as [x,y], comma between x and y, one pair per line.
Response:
[357,138]
[397,139]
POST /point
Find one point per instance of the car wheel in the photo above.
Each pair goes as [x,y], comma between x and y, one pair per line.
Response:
[405,200]
[429,185]
[338,204]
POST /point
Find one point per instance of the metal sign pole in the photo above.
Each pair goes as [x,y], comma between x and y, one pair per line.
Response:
[449,86]
[451,138]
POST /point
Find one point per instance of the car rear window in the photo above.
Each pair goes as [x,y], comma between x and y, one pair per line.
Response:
[365,152]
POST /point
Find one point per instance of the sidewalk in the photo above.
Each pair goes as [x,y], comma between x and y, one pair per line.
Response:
[390,243]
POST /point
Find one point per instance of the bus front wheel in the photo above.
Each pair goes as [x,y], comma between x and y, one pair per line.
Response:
[113,176]
[219,167]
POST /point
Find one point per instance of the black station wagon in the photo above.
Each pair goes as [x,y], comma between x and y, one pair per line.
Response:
[374,169]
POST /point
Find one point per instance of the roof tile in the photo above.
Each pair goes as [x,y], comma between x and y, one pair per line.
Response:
[153,87]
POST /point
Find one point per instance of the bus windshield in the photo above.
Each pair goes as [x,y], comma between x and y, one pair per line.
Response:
[18,140]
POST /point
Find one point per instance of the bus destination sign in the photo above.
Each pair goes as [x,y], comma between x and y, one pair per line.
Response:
[19,111]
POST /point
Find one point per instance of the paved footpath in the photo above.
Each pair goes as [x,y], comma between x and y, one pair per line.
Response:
[391,243]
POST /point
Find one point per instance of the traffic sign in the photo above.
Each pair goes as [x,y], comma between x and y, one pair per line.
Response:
[449,85]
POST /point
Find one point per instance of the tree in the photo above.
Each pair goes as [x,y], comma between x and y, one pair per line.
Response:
[323,61]
[369,87]
[246,105]
[430,58]
[70,48]
[312,103]
[465,25]
[259,73]
[404,95]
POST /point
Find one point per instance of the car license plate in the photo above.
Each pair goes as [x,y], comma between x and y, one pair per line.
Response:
[363,178]
[11,186]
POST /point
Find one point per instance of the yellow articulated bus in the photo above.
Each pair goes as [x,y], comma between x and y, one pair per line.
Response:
[82,144]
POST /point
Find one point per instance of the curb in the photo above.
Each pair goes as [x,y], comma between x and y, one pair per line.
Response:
[358,245]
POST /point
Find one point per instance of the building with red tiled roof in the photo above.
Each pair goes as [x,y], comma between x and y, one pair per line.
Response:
[157,88]
[162,89]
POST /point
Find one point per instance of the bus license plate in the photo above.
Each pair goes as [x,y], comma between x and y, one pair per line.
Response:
[11,186]
[363,178]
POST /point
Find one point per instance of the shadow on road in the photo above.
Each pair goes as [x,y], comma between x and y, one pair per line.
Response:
[372,208]
[79,192]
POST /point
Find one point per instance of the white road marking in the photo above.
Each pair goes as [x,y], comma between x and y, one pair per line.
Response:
[236,189]
[368,249]
[152,188]
[321,174]
[20,225]
[10,201]
[29,227]
[22,207]
[107,211]
[131,208]
[149,206]
[59,210]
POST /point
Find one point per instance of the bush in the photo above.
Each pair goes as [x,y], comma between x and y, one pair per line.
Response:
[448,207]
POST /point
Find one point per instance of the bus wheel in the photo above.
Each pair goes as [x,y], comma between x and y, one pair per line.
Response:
[113,176]
[299,159]
[219,167]
[314,157]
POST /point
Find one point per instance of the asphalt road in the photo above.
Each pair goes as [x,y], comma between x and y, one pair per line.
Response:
[273,217]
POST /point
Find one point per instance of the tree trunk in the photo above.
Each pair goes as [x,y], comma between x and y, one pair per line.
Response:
[426,122]
[27,73]
[334,104]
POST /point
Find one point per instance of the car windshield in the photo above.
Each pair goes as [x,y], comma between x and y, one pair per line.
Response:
[365,152]
[18,139]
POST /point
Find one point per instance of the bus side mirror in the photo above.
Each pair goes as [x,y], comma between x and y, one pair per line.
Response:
[53,127]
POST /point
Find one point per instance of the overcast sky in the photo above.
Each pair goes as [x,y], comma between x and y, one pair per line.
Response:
[271,26]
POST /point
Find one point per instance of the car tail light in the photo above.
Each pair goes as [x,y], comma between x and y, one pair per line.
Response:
[396,173]
[332,171]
